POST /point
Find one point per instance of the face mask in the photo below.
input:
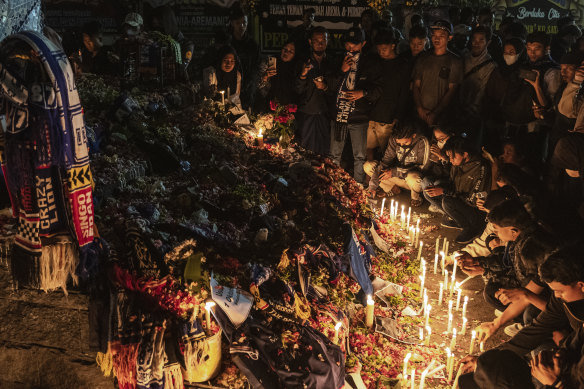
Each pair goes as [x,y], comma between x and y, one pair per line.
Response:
[441,144]
[510,59]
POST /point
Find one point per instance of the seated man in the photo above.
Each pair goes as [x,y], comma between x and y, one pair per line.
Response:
[470,179]
[514,286]
[407,155]
[563,272]
[439,169]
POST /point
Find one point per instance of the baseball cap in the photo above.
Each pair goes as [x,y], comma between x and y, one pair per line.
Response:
[355,35]
[134,19]
[442,25]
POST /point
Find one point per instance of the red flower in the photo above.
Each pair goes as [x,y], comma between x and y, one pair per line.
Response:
[273,105]
[282,119]
[292,108]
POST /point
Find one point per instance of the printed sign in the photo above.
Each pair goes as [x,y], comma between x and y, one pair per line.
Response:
[234,302]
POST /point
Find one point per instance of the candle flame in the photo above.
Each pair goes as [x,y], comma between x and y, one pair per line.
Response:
[209,305]
[260,133]
[370,300]
[338,325]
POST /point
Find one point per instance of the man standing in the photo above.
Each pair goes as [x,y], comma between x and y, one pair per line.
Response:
[301,34]
[390,107]
[478,66]
[312,85]
[359,86]
[436,76]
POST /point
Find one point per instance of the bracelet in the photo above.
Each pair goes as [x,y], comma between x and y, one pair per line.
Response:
[557,383]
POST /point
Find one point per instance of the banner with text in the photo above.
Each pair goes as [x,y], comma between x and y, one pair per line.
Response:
[278,19]
[541,15]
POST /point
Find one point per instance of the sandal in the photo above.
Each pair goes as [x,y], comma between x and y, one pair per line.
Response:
[416,203]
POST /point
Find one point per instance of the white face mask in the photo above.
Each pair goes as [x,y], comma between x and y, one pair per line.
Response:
[510,59]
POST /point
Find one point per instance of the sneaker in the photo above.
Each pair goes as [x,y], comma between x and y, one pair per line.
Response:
[498,313]
[466,237]
[449,223]
[434,209]
[513,329]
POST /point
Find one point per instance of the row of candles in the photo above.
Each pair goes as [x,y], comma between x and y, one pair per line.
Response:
[451,288]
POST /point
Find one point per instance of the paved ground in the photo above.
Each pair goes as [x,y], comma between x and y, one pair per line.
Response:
[43,337]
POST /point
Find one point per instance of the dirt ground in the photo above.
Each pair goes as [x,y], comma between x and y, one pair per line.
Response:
[44,337]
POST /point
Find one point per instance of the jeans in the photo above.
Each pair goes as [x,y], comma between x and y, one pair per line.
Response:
[358,134]
[530,312]
[467,217]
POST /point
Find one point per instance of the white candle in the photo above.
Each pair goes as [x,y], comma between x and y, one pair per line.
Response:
[422,279]
[435,263]
[447,247]
[458,295]
[260,138]
[463,329]
[369,312]
[391,209]
[464,306]
[446,279]
[449,322]
[417,236]
[421,335]
[413,379]
[458,373]
[437,245]
[382,206]
[472,340]
[428,333]
[482,346]
[406,359]
[454,274]
[444,244]
[450,303]
[424,374]
[425,303]
[441,293]
[403,217]
[453,341]
[408,219]
[428,309]
[451,368]
[420,252]
[208,306]
[222,97]
[448,359]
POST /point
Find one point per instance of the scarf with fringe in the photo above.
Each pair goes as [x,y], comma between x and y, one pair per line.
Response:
[45,160]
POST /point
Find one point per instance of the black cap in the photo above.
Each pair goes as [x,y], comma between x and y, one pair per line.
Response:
[442,25]
[571,59]
[355,35]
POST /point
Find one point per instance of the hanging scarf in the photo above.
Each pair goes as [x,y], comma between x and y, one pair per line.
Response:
[345,107]
[45,146]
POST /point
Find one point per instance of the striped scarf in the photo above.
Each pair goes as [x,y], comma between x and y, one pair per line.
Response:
[45,159]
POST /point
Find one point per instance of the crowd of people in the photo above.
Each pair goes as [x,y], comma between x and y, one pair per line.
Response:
[484,125]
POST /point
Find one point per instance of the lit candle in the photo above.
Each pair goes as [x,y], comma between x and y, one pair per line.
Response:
[406,359]
[382,206]
[421,335]
[437,245]
[208,306]
[450,370]
[464,306]
[435,263]
[413,379]
[403,217]
[450,303]
[458,373]
[463,329]
[444,244]
[261,138]
[482,346]
[428,309]
[337,328]
[446,279]
[425,302]
[420,252]
[369,312]
[449,322]
[441,293]
[453,341]
[408,219]
[448,359]
[428,333]
[447,247]
[222,97]
[443,261]
[458,295]
[422,279]
[472,340]
[454,273]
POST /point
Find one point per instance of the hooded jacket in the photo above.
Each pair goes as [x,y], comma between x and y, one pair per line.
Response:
[413,157]
[470,178]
